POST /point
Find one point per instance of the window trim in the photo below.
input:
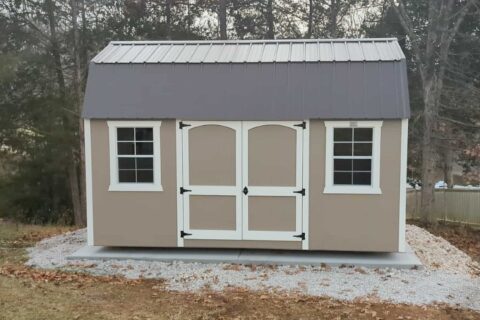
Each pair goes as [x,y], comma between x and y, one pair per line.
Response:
[374,188]
[112,136]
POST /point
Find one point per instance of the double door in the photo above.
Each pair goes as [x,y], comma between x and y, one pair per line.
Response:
[242,180]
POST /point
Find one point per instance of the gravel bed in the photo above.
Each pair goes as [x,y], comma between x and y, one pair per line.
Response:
[449,276]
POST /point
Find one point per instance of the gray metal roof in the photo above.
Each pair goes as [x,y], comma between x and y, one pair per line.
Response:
[251,51]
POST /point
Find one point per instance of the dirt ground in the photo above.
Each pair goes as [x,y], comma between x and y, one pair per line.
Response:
[463,237]
[35,294]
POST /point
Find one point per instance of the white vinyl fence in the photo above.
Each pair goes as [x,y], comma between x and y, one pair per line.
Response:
[456,205]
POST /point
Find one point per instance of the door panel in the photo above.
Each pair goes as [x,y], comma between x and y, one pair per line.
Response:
[213,212]
[272,213]
[211,179]
[272,177]
[209,164]
[271,156]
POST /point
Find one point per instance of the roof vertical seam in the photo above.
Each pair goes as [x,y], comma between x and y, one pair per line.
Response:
[120,58]
[165,54]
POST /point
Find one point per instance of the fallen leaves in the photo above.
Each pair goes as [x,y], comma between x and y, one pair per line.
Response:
[57,277]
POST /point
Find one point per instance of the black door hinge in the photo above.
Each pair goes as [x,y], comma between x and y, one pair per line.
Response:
[183,190]
[302,192]
[245,190]
[183,234]
[301,236]
[182,125]
[303,125]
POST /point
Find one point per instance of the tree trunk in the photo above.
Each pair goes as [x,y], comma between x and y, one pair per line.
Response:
[75,191]
[310,19]
[270,23]
[80,215]
[168,18]
[332,27]
[72,162]
[55,48]
[447,165]
[428,154]
[222,18]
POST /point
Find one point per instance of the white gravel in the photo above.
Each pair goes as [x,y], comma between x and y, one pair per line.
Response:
[449,276]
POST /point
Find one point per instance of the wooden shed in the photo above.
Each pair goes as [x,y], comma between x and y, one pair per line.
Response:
[272,144]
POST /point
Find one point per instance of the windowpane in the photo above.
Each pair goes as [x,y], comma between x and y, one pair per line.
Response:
[144,175]
[342,164]
[126,148]
[342,134]
[144,163]
[342,149]
[342,178]
[362,165]
[362,149]
[363,134]
[144,134]
[144,148]
[126,163]
[126,176]
[362,178]
[125,134]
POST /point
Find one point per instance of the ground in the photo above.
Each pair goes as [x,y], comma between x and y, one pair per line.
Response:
[26,293]
[463,237]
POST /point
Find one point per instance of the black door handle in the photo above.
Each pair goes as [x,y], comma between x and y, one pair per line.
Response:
[245,190]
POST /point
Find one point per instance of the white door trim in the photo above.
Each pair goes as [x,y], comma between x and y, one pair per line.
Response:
[273,190]
[212,190]
[179,153]
[306,184]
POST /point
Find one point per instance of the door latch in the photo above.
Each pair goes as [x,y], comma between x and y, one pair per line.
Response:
[245,190]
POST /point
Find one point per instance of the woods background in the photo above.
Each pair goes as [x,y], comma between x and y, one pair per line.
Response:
[46,45]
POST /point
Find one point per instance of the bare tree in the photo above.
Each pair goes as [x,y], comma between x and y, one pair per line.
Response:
[78,181]
[222,18]
[430,44]
[168,18]
[311,10]
[270,20]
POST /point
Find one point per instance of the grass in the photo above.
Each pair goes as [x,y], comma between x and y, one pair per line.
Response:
[35,294]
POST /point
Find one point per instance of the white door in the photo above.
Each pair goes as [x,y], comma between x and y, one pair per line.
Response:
[272,160]
[242,180]
[211,188]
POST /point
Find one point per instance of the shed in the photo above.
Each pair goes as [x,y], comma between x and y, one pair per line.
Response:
[272,144]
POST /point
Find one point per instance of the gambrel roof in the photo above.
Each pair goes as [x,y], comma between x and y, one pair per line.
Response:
[249,80]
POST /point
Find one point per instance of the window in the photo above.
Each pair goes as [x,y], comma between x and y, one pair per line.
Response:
[352,157]
[134,156]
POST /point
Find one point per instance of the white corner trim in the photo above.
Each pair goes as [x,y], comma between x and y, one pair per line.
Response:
[112,137]
[306,185]
[374,188]
[88,178]
[179,164]
[403,186]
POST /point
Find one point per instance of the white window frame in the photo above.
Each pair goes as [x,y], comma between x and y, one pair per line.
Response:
[374,188]
[112,136]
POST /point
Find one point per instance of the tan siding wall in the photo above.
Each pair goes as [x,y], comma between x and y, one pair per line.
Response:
[133,218]
[337,222]
[355,222]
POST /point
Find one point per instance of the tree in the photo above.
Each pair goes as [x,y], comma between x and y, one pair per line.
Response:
[431,28]
[222,18]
